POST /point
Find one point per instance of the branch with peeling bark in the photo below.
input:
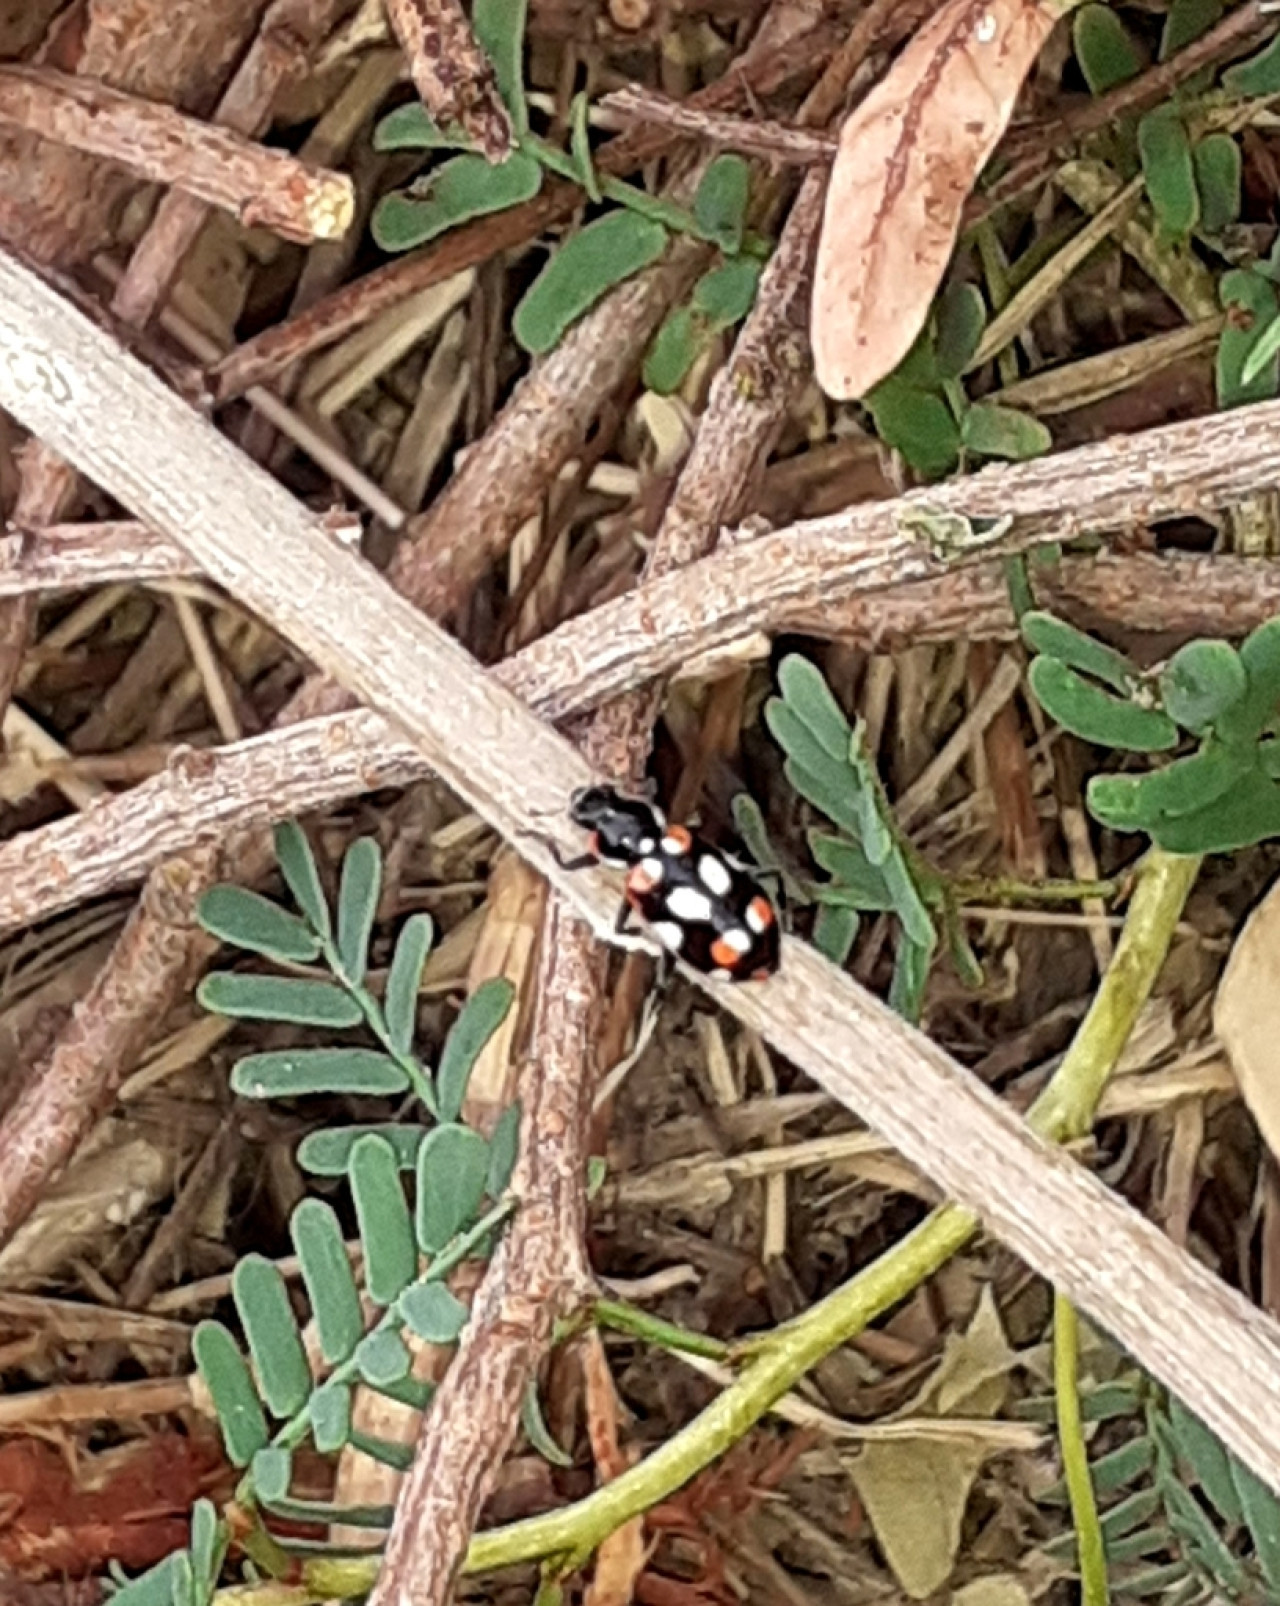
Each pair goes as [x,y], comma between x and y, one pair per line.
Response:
[68,382]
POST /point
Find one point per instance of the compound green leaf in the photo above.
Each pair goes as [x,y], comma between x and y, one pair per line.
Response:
[1260,75]
[327,1153]
[1257,710]
[247,920]
[1250,302]
[328,1279]
[1104,48]
[301,874]
[479,1019]
[453,1165]
[434,1314]
[386,1231]
[227,1377]
[1200,682]
[460,189]
[1046,633]
[993,431]
[1169,171]
[291,1073]
[1262,1515]
[358,894]
[279,998]
[1218,178]
[582,271]
[271,1330]
[1096,715]
[917,423]
[720,204]
[1248,813]
[1188,783]
[961,318]
[499,27]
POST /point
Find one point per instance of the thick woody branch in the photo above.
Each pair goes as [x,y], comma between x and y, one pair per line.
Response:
[260,186]
[70,383]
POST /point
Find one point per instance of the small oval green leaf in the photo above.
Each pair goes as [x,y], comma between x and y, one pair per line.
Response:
[961,318]
[462,188]
[504,1148]
[328,1279]
[582,271]
[993,431]
[725,294]
[917,423]
[812,701]
[1250,302]
[386,1231]
[279,998]
[1168,170]
[453,1165]
[499,26]
[835,930]
[227,1377]
[720,204]
[358,894]
[1104,48]
[405,978]
[383,1359]
[1095,715]
[1046,633]
[1200,682]
[434,1314]
[327,1153]
[1218,178]
[676,346]
[479,1019]
[330,1412]
[271,1329]
[247,920]
[272,1473]
[1260,75]
[301,874]
[292,1073]
[412,128]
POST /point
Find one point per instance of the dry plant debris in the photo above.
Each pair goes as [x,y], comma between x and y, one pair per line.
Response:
[391,441]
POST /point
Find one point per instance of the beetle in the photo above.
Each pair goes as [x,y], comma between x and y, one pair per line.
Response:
[699,903]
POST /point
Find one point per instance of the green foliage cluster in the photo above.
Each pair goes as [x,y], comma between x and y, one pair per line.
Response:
[922,411]
[1223,796]
[603,253]
[272,1401]
[869,863]
[1182,1518]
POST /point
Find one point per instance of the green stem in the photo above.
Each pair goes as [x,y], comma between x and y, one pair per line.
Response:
[625,1318]
[778,1362]
[1075,1456]
[371,1009]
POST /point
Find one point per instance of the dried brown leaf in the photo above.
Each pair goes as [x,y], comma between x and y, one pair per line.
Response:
[908,158]
[1246,1015]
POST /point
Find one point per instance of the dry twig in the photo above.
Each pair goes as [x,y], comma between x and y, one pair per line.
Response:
[450,71]
[258,185]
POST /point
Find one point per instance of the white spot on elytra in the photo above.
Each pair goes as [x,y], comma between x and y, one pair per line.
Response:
[986,30]
[669,934]
[722,975]
[654,869]
[687,903]
[714,874]
[646,844]
[737,939]
[674,846]
[755,919]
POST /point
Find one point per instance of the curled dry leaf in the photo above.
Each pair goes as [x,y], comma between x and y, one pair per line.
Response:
[907,160]
[1246,1015]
